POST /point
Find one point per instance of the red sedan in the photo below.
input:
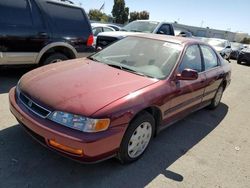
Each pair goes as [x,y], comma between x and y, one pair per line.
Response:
[113,102]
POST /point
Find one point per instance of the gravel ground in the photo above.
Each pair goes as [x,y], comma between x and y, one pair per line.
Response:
[206,149]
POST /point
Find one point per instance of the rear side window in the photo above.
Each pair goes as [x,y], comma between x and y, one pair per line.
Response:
[96,30]
[210,58]
[15,13]
[106,29]
[66,19]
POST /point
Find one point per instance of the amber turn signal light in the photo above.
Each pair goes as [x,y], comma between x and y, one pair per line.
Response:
[66,148]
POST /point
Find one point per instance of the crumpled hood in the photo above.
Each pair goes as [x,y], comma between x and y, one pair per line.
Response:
[80,86]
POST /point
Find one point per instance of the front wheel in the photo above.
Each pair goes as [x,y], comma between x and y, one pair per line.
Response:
[55,58]
[217,98]
[137,138]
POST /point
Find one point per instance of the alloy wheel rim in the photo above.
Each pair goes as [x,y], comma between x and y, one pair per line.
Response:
[139,140]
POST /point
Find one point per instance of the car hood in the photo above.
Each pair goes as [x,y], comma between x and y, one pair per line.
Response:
[117,34]
[80,86]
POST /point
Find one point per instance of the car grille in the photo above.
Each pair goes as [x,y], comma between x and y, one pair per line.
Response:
[33,107]
[103,41]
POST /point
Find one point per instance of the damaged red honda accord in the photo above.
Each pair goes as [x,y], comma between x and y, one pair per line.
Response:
[113,102]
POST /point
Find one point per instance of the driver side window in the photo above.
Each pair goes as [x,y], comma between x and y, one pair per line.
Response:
[191,59]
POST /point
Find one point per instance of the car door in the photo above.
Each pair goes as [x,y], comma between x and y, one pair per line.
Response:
[187,94]
[22,33]
[213,72]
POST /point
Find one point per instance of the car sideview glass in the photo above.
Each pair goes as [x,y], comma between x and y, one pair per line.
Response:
[191,59]
[145,56]
[22,15]
[141,26]
[210,58]
[66,19]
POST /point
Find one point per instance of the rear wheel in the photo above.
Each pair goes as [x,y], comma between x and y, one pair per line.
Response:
[217,98]
[137,138]
[55,58]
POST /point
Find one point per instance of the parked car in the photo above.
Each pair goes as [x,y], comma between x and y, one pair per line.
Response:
[244,56]
[142,26]
[114,102]
[99,28]
[236,48]
[115,27]
[43,32]
[223,47]
[185,34]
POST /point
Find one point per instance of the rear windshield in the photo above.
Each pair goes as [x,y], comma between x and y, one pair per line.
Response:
[141,26]
[68,20]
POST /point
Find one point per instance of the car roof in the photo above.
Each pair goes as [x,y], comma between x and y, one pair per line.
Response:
[159,22]
[169,38]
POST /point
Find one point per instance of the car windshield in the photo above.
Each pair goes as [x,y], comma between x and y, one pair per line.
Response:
[142,56]
[217,43]
[141,26]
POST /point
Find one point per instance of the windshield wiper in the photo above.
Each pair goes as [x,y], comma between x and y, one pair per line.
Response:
[134,30]
[127,69]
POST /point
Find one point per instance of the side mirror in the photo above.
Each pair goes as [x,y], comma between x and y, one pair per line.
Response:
[188,74]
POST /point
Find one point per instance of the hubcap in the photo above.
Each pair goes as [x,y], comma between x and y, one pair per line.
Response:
[218,96]
[139,139]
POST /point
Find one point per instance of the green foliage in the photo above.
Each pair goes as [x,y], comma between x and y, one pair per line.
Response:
[134,16]
[97,15]
[120,12]
[246,40]
[143,15]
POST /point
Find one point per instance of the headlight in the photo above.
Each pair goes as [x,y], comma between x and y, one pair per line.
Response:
[80,123]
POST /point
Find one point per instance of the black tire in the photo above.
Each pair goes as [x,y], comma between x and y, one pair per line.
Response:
[216,101]
[238,61]
[54,58]
[123,154]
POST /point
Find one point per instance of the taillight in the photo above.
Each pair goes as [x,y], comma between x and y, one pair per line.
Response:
[90,40]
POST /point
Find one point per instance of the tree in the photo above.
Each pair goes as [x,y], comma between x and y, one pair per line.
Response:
[120,12]
[143,15]
[97,15]
[134,16]
[246,40]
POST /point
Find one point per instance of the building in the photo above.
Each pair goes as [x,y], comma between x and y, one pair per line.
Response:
[210,33]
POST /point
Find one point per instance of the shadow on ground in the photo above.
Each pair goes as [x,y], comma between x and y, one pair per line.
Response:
[10,76]
[24,163]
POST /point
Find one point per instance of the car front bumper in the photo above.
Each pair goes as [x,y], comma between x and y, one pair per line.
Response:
[95,146]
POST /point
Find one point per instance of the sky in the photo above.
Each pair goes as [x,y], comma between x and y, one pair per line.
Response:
[231,15]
